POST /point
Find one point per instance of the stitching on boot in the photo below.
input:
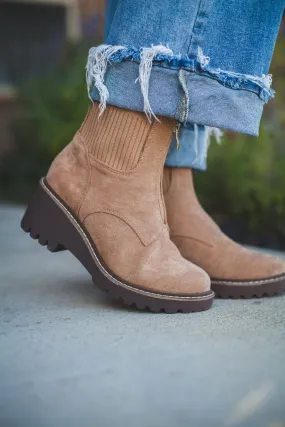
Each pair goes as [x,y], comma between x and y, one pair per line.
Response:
[128,221]
[178,236]
[81,201]
[246,282]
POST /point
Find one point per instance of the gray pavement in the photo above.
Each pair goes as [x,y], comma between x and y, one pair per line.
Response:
[70,357]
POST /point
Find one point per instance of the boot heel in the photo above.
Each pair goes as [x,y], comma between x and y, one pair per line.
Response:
[42,222]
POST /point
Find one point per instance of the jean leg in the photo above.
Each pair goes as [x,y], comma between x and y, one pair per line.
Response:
[194,146]
[110,9]
[198,61]
[193,149]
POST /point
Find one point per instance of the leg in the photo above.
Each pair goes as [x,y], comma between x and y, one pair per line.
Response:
[225,89]
[110,10]
[226,262]
[102,200]
[194,139]
[201,22]
[235,271]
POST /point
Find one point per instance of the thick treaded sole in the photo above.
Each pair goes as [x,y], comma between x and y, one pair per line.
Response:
[259,288]
[49,220]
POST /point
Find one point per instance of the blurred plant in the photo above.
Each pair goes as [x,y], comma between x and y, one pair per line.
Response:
[54,108]
[245,184]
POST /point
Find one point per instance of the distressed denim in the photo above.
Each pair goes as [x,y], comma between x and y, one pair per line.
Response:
[202,62]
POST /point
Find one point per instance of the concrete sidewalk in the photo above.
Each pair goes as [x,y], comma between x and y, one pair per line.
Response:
[70,357]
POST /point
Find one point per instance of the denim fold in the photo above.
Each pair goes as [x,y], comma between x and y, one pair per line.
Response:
[203,100]
[203,62]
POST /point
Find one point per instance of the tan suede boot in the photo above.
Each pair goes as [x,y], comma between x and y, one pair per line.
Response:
[234,270]
[102,200]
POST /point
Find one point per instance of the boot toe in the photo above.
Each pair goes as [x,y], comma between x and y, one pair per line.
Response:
[181,277]
[197,280]
[235,262]
[254,265]
[178,275]
[272,266]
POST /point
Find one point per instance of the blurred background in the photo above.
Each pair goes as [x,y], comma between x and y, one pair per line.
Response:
[44,45]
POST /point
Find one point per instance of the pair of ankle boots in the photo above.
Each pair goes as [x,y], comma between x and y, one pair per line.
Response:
[137,226]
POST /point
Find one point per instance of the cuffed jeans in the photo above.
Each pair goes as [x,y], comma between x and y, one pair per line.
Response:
[202,62]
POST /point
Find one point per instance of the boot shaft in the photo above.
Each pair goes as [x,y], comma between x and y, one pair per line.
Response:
[114,164]
[117,138]
[185,215]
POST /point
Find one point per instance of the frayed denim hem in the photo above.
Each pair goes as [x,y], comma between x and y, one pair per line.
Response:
[210,103]
[162,56]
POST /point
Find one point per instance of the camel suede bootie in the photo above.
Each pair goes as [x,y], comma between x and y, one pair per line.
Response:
[102,200]
[234,270]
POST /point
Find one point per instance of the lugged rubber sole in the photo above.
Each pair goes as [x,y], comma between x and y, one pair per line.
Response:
[49,220]
[259,288]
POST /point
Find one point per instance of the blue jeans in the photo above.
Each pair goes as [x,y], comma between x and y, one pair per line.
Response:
[202,62]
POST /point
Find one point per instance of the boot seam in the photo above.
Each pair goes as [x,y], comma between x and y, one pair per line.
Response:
[180,236]
[246,282]
[83,197]
[166,193]
[145,241]
[161,195]
[93,161]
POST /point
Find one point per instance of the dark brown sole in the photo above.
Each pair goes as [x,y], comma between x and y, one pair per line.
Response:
[49,220]
[266,287]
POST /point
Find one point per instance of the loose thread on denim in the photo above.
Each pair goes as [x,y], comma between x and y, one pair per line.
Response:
[99,58]
[215,132]
[185,104]
[96,68]
[201,153]
[209,133]
[202,59]
[196,135]
[145,67]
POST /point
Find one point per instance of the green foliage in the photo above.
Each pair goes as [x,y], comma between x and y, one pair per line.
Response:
[54,108]
[245,182]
